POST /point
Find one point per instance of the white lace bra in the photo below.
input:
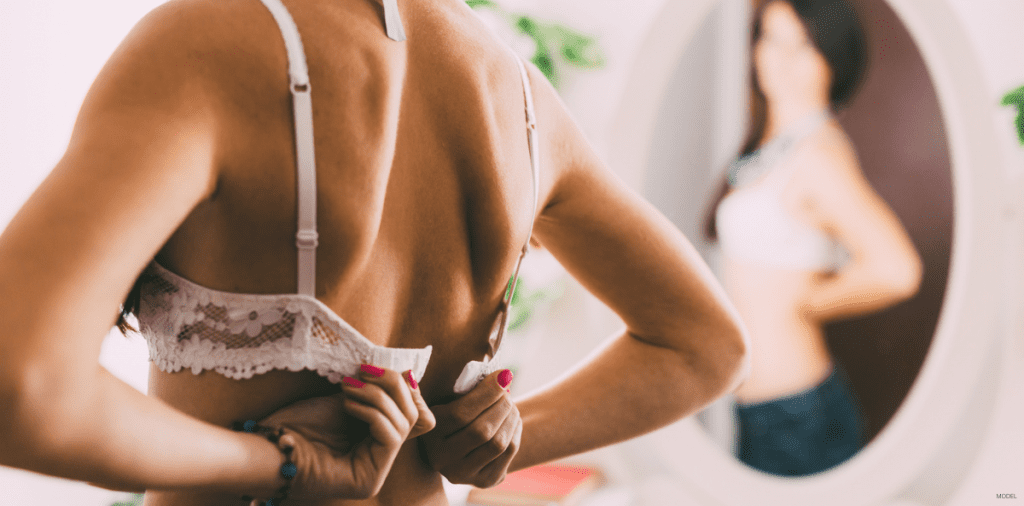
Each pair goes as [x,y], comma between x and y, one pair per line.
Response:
[240,335]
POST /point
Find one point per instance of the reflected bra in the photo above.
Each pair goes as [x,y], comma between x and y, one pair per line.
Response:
[240,335]
[752,222]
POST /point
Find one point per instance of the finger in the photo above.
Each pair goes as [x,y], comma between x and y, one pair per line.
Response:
[482,430]
[462,411]
[374,396]
[488,437]
[396,387]
[426,421]
[381,426]
[494,472]
[370,461]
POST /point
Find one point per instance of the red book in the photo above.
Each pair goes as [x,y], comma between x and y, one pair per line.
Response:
[543,485]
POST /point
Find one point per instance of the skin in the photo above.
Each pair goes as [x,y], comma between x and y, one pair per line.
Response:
[184,151]
[785,309]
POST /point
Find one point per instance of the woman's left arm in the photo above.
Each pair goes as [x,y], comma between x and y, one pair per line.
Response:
[884,267]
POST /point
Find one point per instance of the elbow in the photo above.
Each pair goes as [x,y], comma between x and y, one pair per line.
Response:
[31,399]
[12,398]
[738,361]
[15,405]
[905,282]
[913,282]
[725,359]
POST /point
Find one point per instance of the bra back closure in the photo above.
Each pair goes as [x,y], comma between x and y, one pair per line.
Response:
[307,237]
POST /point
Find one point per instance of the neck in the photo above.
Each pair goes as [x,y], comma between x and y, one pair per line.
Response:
[782,115]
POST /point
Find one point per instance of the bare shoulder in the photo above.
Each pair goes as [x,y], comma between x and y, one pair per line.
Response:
[567,155]
[828,156]
[178,59]
[223,44]
[832,185]
[827,167]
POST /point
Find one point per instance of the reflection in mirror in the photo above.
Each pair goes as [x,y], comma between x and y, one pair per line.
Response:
[835,199]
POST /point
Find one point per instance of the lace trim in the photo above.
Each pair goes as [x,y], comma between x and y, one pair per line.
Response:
[242,335]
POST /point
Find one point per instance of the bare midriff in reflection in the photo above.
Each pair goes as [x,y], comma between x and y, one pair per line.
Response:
[790,347]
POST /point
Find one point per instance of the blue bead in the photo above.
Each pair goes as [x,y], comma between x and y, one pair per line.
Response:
[249,426]
[288,470]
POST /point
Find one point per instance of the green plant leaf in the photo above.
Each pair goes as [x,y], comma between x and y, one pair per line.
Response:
[1020,126]
[1016,98]
[551,39]
[481,3]
[578,49]
[134,500]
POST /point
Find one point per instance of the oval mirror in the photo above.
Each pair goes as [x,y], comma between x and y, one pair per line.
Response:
[925,148]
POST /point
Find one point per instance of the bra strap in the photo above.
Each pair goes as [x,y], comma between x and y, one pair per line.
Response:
[531,138]
[306,239]
[392,21]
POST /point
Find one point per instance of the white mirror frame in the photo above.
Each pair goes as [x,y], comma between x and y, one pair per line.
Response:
[967,337]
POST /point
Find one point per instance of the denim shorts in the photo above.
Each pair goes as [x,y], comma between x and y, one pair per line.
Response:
[804,433]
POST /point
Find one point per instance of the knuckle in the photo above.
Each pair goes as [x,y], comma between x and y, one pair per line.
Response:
[507,405]
[412,411]
[461,417]
[427,421]
[513,445]
[481,433]
[474,439]
[499,442]
[392,379]
[495,446]
[374,392]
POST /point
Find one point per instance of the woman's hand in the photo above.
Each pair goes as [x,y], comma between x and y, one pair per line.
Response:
[345,443]
[477,435]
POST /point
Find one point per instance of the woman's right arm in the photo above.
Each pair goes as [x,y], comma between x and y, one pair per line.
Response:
[682,347]
[683,344]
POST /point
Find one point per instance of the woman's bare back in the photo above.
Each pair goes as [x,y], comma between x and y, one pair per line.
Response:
[183,150]
[424,193]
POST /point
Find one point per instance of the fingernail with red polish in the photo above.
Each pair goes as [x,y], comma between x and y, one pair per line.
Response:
[352,382]
[411,380]
[504,378]
[372,370]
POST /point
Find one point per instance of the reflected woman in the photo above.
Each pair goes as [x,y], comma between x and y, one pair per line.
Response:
[804,239]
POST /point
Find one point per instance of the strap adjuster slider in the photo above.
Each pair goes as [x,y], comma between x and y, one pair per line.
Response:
[307,239]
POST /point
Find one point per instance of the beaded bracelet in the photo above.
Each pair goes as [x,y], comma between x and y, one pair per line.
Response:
[287,470]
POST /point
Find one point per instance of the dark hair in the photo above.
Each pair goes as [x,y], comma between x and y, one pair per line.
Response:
[129,306]
[835,30]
